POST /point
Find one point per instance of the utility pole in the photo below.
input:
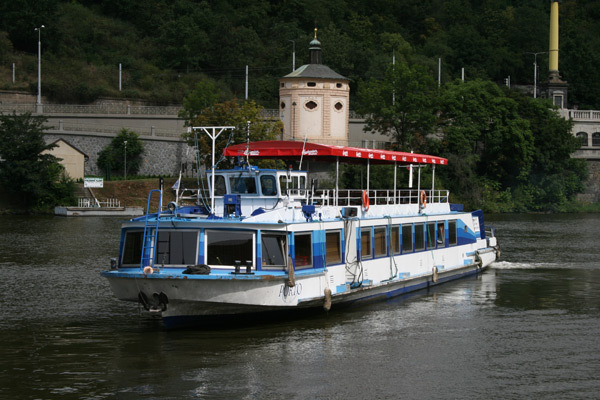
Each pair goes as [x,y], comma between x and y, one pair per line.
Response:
[293,54]
[535,67]
[39,96]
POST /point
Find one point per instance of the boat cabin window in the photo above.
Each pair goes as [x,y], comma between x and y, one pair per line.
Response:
[431,235]
[441,234]
[242,184]
[407,238]
[268,185]
[293,183]
[176,248]
[273,250]
[380,242]
[132,251]
[365,243]
[395,238]
[220,188]
[303,250]
[452,233]
[419,237]
[333,246]
[227,247]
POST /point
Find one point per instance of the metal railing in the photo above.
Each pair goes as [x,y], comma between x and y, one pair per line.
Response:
[102,108]
[88,202]
[354,197]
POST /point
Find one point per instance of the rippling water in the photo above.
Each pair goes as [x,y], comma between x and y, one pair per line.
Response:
[527,328]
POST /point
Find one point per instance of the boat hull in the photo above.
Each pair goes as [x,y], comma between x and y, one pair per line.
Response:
[198,300]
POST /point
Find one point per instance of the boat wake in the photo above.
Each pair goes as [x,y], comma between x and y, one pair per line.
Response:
[522,265]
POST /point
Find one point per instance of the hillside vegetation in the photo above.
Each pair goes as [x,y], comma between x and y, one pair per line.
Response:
[165,47]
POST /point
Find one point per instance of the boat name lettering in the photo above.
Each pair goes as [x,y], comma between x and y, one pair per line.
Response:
[370,155]
[310,152]
[286,292]
[358,154]
[345,153]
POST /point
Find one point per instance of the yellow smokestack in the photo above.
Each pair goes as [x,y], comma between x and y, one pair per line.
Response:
[553,55]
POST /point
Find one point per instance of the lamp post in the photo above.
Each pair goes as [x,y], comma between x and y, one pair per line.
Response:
[125,161]
[293,54]
[535,70]
[39,96]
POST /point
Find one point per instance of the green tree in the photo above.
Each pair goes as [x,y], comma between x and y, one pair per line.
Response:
[484,138]
[401,105]
[203,97]
[126,147]
[232,113]
[31,178]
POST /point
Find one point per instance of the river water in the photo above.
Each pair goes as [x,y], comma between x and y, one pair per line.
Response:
[529,327]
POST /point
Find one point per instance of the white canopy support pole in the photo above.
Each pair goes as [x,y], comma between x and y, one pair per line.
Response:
[211,131]
[368,174]
[410,176]
[432,184]
[337,174]
[395,171]
[419,188]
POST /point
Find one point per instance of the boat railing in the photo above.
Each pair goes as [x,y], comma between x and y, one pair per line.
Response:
[354,197]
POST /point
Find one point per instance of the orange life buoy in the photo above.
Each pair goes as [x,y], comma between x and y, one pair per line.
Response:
[365,200]
[423,198]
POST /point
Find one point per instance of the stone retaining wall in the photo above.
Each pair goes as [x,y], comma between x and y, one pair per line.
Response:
[162,156]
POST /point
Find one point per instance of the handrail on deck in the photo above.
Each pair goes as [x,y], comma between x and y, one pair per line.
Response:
[347,197]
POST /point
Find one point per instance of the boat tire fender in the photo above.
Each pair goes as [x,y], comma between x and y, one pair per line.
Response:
[291,280]
[365,200]
[327,302]
[434,275]
[423,198]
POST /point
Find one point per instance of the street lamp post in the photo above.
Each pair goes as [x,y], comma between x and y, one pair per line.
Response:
[125,161]
[535,70]
[39,96]
[293,54]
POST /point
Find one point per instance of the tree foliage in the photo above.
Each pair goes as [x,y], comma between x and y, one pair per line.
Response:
[505,150]
[241,115]
[402,105]
[125,148]
[31,178]
[165,47]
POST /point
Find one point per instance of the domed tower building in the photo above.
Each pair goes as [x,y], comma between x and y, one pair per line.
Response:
[314,102]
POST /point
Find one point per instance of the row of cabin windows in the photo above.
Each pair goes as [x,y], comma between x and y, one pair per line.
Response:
[406,238]
[268,184]
[226,247]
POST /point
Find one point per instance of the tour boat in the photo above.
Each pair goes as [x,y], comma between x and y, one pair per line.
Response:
[266,240]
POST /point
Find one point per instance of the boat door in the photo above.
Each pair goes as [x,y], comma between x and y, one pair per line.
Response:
[353,265]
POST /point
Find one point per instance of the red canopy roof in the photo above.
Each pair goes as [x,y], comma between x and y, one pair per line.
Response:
[288,149]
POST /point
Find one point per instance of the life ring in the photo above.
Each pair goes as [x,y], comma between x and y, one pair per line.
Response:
[423,198]
[365,200]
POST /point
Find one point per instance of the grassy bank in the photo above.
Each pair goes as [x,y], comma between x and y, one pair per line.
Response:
[134,193]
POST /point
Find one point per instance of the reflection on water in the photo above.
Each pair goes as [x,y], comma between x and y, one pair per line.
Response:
[526,328]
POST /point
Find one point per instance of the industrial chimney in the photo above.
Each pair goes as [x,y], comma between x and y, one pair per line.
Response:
[557,88]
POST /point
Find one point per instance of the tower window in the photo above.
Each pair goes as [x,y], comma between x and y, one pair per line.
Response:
[311,105]
[311,84]
[282,105]
[338,106]
[338,85]
[282,84]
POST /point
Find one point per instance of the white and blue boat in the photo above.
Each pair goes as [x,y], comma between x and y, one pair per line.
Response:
[267,240]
